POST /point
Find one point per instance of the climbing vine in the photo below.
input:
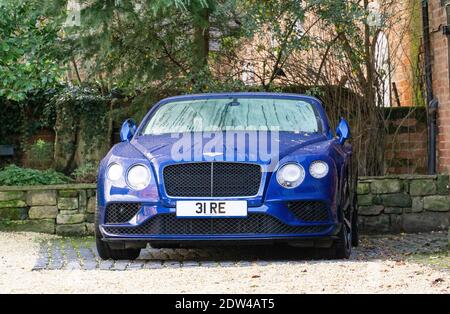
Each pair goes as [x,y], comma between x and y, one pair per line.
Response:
[81,117]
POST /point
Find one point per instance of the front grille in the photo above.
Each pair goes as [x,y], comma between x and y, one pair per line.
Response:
[309,211]
[121,212]
[169,224]
[212,179]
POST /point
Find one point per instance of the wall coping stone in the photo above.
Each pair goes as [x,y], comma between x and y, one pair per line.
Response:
[401,176]
[78,186]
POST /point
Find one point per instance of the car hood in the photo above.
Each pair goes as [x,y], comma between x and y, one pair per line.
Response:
[159,148]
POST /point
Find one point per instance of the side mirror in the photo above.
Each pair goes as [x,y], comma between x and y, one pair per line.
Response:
[343,131]
[127,131]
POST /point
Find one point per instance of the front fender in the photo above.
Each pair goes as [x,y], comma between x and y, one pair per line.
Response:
[119,191]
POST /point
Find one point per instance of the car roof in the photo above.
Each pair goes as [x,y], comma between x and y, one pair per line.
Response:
[241,94]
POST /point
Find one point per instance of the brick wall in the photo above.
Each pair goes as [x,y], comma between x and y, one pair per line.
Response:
[441,84]
[30,161]
[400,41]
[406,140]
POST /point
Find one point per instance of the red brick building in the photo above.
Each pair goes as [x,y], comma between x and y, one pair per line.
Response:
[440,54]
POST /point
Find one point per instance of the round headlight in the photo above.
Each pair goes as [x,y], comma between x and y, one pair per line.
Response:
[115,172]
[138,177]
[290,175]
[318,169]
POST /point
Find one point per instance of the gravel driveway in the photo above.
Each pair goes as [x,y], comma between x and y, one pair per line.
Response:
[382,264]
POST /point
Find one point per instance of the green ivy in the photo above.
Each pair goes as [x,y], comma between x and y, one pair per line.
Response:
[80,108]
[13,175]
[20,120]
[10,121]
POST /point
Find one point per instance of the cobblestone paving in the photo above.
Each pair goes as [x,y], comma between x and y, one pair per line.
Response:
[76,253]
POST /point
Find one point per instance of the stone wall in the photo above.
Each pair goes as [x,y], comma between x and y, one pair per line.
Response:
[63,209]
[390,204]
[404,204]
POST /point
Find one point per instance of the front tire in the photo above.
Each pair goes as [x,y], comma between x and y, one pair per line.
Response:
[355,230]
[354,204]
[105,251]
[343,245]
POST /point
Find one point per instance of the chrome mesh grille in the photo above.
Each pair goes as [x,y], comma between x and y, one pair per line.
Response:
[212,179]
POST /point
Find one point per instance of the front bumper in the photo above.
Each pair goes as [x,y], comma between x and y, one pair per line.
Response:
[271,221]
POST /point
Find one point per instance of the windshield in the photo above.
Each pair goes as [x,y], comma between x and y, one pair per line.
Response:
[234,114]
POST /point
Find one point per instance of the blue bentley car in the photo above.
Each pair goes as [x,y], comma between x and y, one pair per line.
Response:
[236,168]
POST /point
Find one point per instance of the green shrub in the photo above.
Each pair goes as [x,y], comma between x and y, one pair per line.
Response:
[40,154]
[86,173]
[13,175]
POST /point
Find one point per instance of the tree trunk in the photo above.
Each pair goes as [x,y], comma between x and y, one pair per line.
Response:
[374,163]
[65,145]
[85,152]
[201,39]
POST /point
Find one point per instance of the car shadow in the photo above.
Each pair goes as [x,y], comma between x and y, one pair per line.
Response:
[373,247]
[235,253]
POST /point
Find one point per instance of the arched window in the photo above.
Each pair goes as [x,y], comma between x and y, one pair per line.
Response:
[73,14]
[299,30]
[248,73]
[382,70]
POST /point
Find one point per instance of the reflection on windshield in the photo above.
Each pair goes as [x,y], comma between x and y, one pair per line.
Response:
[228,114]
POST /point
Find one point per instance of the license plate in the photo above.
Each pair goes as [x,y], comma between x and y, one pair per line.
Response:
[211,209]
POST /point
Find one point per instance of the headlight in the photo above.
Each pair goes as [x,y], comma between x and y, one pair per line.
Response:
[138,177]
[318,169]
[290,175]
[115,172]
